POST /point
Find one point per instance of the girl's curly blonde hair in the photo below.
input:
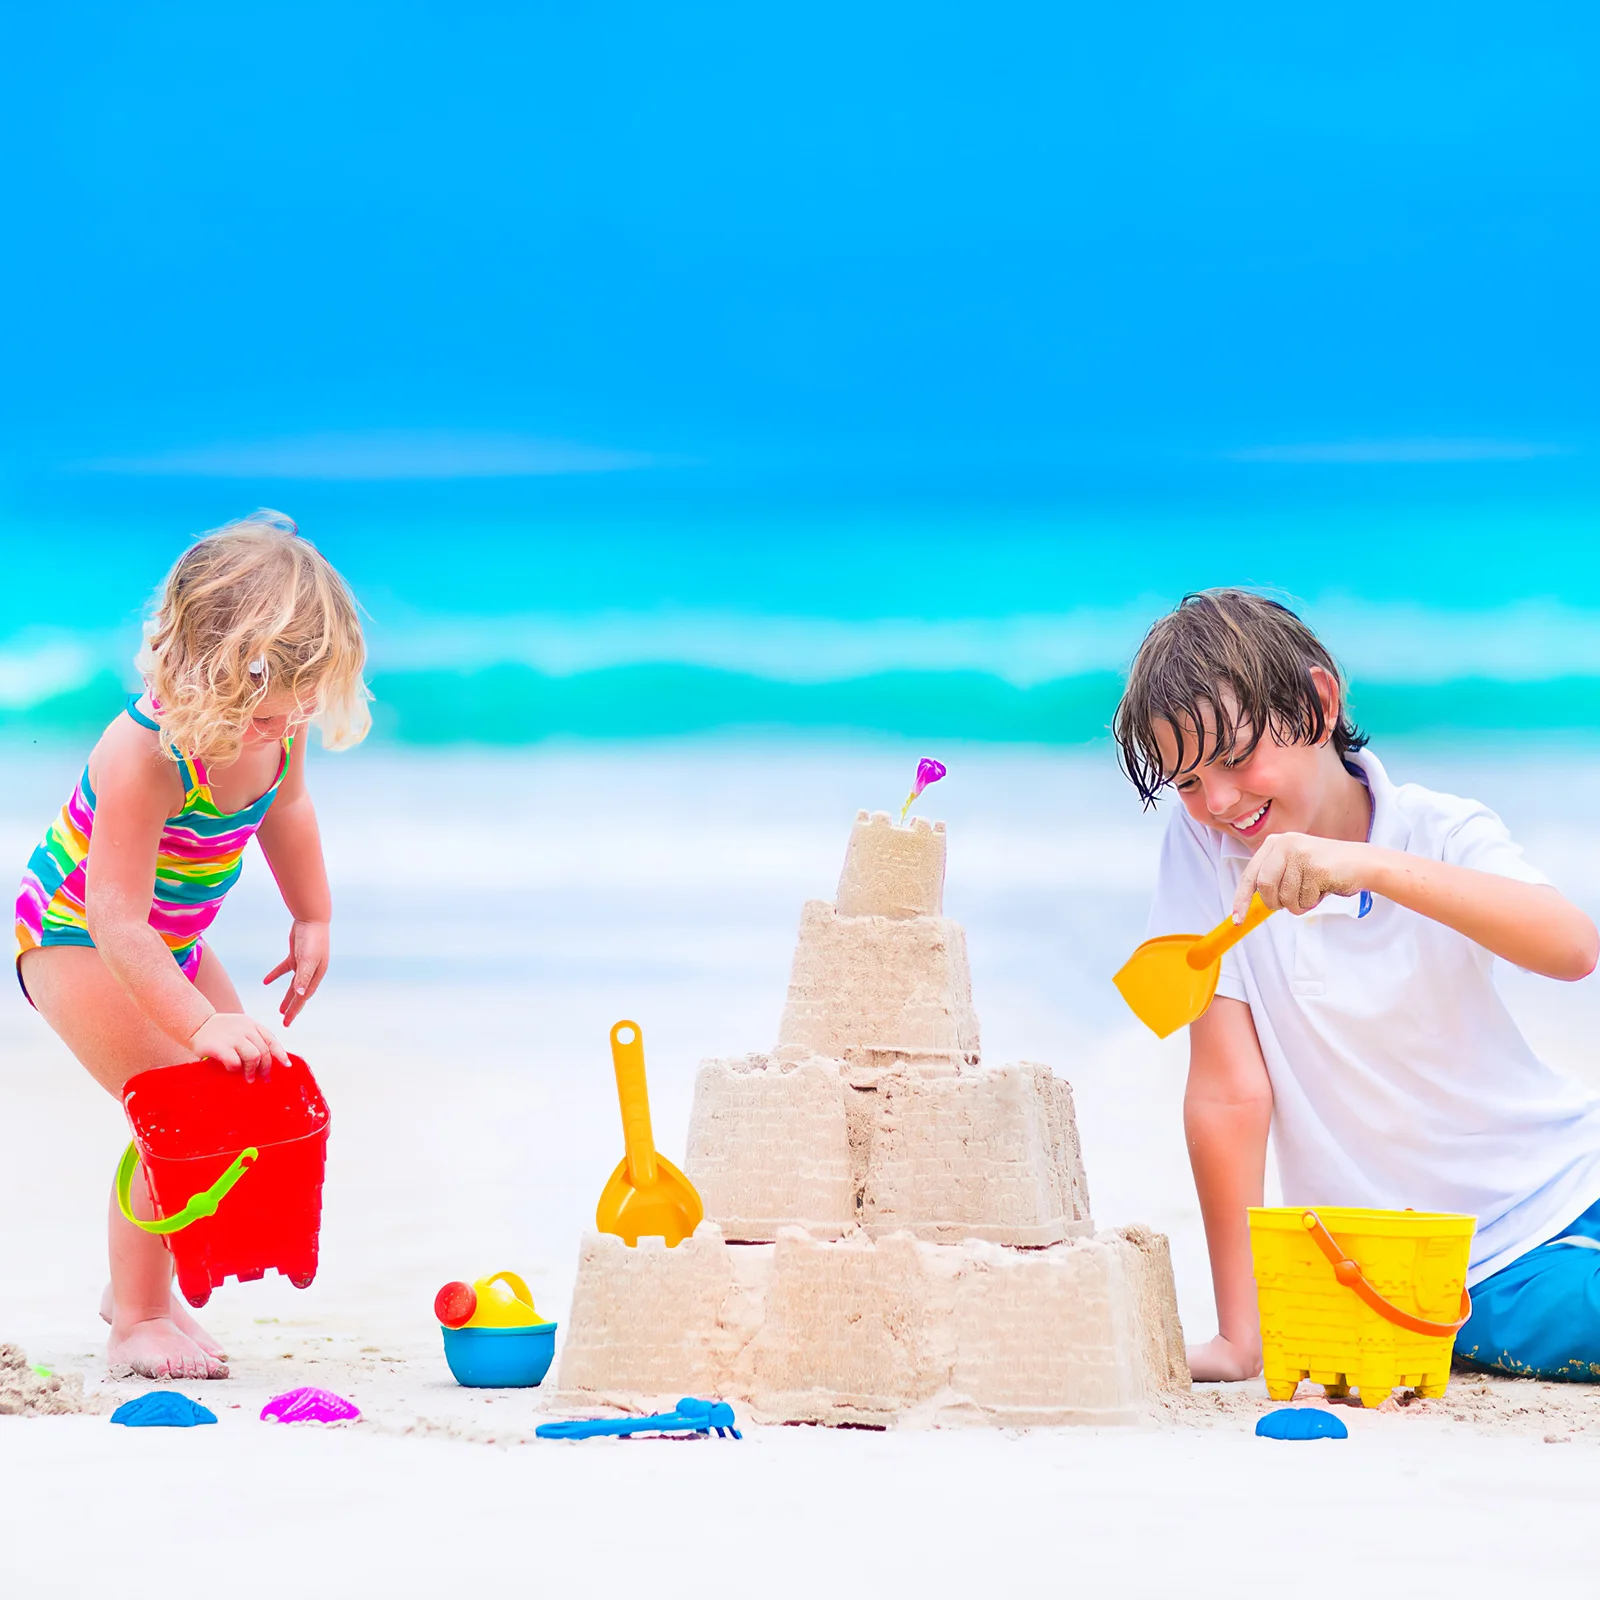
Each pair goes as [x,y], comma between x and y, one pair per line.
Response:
[248,611]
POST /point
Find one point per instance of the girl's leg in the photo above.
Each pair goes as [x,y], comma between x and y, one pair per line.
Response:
[214,983]
[98,1021]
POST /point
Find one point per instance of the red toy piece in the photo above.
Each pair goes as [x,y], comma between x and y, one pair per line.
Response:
[455,1303]
[192,1124]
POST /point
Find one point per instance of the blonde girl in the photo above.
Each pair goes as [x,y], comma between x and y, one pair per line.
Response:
[254,636]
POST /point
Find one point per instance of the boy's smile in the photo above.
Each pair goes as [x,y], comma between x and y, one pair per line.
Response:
[1272,790]
[1254,823]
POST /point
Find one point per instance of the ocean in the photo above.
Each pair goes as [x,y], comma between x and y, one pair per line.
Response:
[1462,596]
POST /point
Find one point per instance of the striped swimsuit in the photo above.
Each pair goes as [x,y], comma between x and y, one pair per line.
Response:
[198,861]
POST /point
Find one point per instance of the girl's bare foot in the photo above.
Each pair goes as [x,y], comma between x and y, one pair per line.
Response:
[185,1323]
[158,1348]
[1222,1360]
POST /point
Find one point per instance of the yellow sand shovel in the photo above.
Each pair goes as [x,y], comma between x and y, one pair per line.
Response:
[1170,981]
[646,1197]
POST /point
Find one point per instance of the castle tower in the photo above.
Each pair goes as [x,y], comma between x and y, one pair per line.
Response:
[880,977]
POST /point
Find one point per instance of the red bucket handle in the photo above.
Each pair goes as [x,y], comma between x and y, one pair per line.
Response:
[200,1205]
[1350,1275]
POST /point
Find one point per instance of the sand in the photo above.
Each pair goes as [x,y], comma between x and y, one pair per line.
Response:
[462,1046]
[29,1390]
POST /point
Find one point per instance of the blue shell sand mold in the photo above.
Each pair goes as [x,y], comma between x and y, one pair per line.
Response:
[1301,1422]
[692,1416]
[162,1408]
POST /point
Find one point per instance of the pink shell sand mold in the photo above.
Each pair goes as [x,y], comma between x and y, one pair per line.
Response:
[309,1405]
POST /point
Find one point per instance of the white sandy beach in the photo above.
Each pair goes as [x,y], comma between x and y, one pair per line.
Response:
[496,913]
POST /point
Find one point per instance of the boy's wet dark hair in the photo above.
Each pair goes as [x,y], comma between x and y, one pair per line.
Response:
[1256,650]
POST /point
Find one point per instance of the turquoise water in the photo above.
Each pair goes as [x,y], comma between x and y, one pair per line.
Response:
[505,614]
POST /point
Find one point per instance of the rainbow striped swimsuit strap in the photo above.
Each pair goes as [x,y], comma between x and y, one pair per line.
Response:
[190,771]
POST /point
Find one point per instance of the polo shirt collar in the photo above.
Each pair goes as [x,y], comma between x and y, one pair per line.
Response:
[1389,826]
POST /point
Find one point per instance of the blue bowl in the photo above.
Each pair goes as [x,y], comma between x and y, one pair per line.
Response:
[500,1358]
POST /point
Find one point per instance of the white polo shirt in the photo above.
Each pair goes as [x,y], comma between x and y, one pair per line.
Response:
[1398,1076]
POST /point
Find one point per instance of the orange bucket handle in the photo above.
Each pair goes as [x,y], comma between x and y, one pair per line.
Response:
[1350,1275]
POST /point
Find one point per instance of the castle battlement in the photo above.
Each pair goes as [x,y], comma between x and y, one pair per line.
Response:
[892,871]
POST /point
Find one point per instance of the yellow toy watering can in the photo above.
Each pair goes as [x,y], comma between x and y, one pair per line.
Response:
[501,1301]
[1170,981]
[646,1197]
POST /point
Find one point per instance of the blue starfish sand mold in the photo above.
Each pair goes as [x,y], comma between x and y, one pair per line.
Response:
[162,1408]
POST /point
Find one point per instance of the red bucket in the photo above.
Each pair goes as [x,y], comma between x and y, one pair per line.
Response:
[234,1170]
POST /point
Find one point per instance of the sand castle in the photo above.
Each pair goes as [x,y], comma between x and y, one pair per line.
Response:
[894,1232]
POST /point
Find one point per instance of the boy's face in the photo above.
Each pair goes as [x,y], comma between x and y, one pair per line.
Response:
[1277,788]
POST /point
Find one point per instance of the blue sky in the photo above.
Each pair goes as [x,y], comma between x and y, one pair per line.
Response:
[883,245]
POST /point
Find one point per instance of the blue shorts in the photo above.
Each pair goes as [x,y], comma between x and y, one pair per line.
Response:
[1540,1317]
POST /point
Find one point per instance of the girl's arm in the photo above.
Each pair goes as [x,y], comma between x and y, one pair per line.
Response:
[1529,924]
[1227,1112]
[292,845]
[135,789]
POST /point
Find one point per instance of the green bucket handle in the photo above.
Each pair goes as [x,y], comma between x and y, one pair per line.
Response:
[200,1205]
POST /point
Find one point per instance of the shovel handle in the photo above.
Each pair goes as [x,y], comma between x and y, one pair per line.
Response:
[1213,946]
[633,1094]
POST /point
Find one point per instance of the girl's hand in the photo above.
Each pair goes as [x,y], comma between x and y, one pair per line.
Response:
[306,962]
[239,1043]
[1295,871]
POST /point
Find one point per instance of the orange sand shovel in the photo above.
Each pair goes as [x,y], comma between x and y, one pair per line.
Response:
[1169,982]
[646,1197]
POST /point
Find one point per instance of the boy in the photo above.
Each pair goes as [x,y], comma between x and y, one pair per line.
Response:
[1364,1027]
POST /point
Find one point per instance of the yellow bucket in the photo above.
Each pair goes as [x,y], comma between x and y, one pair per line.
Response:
[1365,1300]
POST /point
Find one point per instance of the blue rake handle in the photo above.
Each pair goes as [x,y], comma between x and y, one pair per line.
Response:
[692,1416]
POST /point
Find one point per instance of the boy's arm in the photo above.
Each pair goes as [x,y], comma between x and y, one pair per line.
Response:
[292,843]
[1227,1112]
[1531,925]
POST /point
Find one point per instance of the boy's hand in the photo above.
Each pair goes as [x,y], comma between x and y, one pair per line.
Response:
[306,962]
[1295,871]
[1221,1360]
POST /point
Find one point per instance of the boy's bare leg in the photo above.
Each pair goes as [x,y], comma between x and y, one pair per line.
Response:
[1227,1113]
[98,1021]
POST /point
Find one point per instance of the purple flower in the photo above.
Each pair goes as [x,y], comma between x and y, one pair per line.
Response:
[928,771]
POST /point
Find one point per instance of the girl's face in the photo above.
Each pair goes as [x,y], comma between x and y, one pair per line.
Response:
[279,715]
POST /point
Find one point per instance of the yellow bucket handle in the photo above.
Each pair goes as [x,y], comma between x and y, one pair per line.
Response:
[1351,1276]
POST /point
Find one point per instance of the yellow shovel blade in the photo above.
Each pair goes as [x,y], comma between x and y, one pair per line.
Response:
[1164,992]
[646,1197]
[668,1207]
[1170,981]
